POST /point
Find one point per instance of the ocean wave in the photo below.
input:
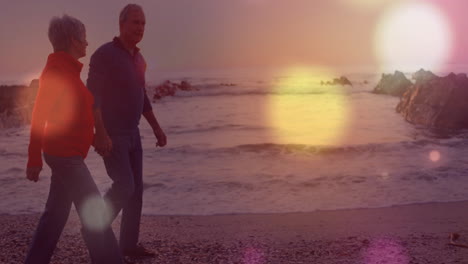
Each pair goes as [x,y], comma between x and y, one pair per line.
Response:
[241,93]
[178,130]
[284,149]
[365,148]
[260,90]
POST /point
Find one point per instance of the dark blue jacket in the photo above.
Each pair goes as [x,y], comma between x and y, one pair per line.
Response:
[117,81]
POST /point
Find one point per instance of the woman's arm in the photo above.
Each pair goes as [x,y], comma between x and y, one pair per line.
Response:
[50,88]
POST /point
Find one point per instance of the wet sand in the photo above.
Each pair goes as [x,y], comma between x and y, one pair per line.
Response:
[401,234]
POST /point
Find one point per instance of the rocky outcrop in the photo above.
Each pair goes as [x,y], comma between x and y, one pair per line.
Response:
[169,88]
[423,76]
[16,104]
[393,84]
[438,102]
[337,81]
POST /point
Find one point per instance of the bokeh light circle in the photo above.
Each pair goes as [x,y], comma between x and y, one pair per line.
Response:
[385,250]
[366,4]
[413,35]
[96,214]
[385,175]
[303,111]
[434,156]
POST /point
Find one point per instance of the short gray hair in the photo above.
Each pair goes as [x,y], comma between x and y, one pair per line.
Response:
[62,30]
[126,10]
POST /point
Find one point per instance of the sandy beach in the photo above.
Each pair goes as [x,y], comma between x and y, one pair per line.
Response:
[402,234]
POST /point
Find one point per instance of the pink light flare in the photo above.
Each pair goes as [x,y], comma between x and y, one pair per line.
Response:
[253,256]
[385,250]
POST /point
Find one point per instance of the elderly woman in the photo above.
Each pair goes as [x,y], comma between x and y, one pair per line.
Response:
[62,128]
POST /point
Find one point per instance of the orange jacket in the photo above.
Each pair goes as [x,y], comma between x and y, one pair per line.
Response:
[62,121]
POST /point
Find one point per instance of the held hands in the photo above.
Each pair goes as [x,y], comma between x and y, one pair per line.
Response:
[102,144]
[32,173]
[160,136]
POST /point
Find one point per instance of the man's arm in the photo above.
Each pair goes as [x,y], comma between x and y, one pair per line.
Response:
[157,130]
[102,142]
[149,116]
[97,79]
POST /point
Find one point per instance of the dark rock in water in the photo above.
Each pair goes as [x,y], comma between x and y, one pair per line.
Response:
[16,104]
[393,84]
[438,102]
[15,96]
[337,81]
[342,81]
[8,96]
[227,84]
[169,88]
[185,86]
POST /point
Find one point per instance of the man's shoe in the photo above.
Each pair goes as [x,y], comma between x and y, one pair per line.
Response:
[139,252]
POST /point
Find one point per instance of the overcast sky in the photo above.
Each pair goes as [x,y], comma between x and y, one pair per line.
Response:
[218,34]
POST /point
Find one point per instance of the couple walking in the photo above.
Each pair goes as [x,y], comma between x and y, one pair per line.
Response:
[65,114]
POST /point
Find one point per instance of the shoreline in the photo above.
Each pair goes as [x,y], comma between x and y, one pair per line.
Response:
[461,202]
[400,234]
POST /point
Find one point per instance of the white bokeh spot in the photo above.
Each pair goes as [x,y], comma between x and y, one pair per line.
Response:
[411,36]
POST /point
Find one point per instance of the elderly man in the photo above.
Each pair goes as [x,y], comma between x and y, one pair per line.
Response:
[117,80]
